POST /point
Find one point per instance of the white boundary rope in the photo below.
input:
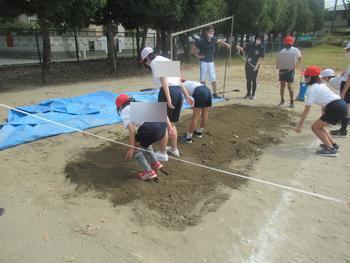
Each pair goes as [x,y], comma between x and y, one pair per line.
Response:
[321,196]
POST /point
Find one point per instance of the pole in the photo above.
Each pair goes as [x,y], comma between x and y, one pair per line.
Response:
[171,47]
[76,43]
[334,15]
[228,56]
[37,45]
[133,45]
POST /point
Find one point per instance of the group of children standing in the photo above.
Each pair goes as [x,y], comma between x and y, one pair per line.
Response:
[172,90]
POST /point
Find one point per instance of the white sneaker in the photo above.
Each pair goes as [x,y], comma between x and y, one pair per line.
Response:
[173,152]
[161,157]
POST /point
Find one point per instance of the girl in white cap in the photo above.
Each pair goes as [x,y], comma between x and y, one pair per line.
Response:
[334,109]
[345,95]
[170,91]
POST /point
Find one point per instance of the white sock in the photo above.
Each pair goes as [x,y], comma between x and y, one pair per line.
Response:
[200,130]
[189,135]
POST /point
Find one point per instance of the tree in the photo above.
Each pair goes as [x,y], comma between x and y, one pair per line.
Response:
[305,18]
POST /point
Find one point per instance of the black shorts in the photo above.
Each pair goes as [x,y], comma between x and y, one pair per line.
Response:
[202,97]
[150,132]
[176,100]
[335,111]
[347,94]
[286,75]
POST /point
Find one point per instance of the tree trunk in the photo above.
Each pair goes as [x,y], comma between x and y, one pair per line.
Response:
[144,36]
[77,50]
[164,46]
[186,45]
[111,48]
[138,48]
[45,66]
[159,41]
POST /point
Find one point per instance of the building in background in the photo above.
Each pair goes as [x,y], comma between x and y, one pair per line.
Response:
[341,19]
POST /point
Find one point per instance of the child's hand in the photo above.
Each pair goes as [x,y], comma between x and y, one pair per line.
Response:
[297,129]
[129,154]
[170,105]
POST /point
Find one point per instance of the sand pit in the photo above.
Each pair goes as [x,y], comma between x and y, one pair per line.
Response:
[235,134]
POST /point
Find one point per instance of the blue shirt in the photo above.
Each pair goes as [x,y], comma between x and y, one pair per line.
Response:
[207,48]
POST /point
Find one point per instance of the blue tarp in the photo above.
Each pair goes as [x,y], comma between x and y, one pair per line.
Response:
[82,112]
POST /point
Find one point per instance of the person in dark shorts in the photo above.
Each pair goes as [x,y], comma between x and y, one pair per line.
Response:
[141,135]
[202,103]
[334,110]
[345,94]
[254,53]
[286,76]
[170,91]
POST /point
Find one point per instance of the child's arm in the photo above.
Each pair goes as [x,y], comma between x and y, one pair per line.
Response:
[223,43]
[345,89]
[187,97]
[132,132]
[165,86]
[302,119]
[195,52]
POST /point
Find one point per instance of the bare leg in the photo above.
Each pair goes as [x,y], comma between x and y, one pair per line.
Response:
[195,116]
[320,131]
[204,119]
[291,91]
[282,88]
[164,142]
[214,85]
[173,139]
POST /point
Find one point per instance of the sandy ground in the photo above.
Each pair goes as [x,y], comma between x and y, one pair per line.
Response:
[49,219]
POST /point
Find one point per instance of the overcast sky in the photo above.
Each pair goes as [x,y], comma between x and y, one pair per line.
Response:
[329,3]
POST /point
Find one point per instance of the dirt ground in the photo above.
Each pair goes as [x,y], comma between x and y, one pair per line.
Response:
[72,198]
[185,193]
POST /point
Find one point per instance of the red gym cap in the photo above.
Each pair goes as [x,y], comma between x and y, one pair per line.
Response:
[312,71]
[289,40]
[121,100]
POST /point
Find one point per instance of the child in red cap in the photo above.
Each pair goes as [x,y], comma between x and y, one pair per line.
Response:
[141,135]
[334,110]
[287,75]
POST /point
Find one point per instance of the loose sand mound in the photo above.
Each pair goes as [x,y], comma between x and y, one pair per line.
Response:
[235,134]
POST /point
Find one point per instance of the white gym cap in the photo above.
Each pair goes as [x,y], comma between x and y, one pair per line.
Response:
[145,52]
[347,45]
[327,73]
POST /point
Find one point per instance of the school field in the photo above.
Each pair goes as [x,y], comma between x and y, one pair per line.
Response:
[72,198]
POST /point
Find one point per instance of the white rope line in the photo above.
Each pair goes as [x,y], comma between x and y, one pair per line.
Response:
[321,196]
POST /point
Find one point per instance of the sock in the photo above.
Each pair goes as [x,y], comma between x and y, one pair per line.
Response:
[150,154]
[140,157]
[200,130]
[189,135]
[344,124]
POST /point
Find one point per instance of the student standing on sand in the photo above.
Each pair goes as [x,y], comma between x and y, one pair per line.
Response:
[254,53]
[170,91]
[334,109]
[202,103]
[141,135]
[286,76]
[204,50]
[345,95]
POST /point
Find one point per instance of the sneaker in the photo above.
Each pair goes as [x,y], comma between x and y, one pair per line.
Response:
[161,157]
[198,134]
[292,105]
[252,97]
[327,152]
[156,166]
[281,103]
[247,96]
[147,175]
[335,147]
[216,96]
[173,152]
[339,133]
[184,138]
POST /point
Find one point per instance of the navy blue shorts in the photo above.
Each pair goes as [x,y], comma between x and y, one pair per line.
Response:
[335,111]
[150,132]
[286,75]
[347,94]
[202,97]
[176,100]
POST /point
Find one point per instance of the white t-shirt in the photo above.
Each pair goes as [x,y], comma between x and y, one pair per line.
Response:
[336,82]
[126,118]
[172,81]
[320,94]
[346,75]
[191,86]
[292,50]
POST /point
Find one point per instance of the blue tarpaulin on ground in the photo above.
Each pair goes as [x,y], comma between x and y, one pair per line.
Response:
[82,112]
